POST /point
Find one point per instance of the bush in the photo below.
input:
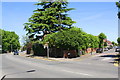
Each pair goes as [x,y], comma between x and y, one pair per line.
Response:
[72,39]
[67,39]
[38,49]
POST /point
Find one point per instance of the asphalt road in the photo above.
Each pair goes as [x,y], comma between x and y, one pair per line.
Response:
[15,66]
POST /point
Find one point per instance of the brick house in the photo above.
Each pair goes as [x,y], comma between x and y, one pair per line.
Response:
[109,43]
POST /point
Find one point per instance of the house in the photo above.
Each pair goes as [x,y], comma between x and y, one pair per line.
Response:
[109,43]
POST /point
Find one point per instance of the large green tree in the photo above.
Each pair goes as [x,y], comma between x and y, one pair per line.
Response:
[114,43]
[93,41]
[73,38]
[10,40]
[68,39]
[101,36]
[49,17]
[118,40]
[118,5]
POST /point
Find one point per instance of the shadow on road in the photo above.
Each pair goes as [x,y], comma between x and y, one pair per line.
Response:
[30,56]
[115,57]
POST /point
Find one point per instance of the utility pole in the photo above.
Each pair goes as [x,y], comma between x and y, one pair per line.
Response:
[47,52]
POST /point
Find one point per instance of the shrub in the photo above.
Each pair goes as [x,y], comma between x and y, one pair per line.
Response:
[38,49]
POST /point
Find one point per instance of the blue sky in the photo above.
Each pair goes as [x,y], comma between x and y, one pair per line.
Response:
[68,0]
[92,17]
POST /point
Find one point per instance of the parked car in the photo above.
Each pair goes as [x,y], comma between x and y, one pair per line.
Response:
[4,51]
[105,49]
[110,47]
[16,52]
[117,49]
[99,50]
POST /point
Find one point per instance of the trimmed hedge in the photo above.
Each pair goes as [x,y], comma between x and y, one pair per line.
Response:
[38,49]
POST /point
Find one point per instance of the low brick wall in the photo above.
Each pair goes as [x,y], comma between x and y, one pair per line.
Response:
[73,53]
[90,50]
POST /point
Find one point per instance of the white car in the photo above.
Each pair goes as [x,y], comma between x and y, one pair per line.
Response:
[105,49]
[117,49]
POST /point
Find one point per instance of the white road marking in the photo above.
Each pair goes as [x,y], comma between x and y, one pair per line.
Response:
[77,72]
[106,59]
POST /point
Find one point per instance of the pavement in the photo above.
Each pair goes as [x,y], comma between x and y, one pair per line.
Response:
[110,52]
[95,66]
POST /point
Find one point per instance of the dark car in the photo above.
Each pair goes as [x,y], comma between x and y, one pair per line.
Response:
[117,49]
[110,47]
[105,49]
[99,50]
[4,51]
[16,52]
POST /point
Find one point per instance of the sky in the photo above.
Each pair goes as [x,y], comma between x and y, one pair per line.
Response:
[92,17]
[68,0]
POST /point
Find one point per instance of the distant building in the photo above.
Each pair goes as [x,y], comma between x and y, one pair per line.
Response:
[109,43]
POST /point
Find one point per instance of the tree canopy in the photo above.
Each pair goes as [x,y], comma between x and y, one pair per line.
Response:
[10,40]
[118,40]
[49,17]
[73,38]
[101,36]
[118,5]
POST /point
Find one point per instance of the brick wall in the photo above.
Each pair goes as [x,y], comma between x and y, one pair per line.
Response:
[90,49]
